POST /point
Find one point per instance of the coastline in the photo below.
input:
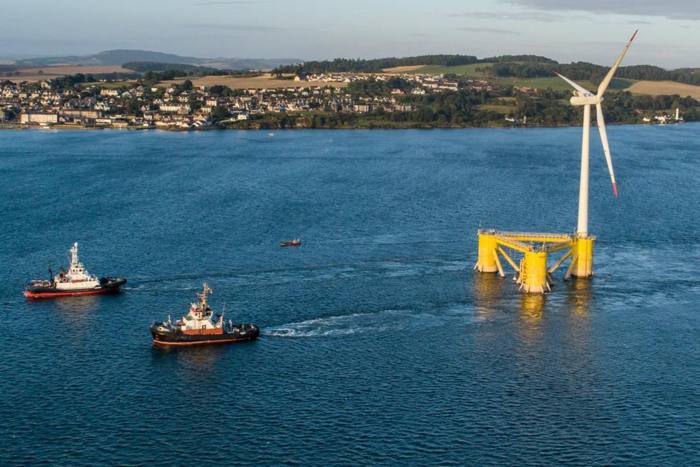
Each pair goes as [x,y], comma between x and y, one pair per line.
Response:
[17,126]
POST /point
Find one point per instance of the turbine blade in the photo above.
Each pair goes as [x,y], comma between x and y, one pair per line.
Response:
[575,85]
[606,81]
[606,147]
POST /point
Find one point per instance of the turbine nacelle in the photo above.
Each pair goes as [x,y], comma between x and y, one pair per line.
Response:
[585,100]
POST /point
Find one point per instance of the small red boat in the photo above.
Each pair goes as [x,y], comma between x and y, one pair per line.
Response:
[287,243]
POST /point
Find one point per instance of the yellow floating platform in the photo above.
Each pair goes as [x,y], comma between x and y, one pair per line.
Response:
[532,272]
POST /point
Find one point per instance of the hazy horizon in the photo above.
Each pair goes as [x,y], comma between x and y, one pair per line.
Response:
[309,29]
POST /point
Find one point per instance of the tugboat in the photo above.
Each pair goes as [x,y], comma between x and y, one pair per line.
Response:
[76,281]
[200,326]
[287,243]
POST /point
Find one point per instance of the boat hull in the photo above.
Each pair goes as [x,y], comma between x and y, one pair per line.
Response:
[291,244]
[109,286]
[161,339]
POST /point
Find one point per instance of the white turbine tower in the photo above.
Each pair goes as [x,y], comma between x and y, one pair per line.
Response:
[585,98]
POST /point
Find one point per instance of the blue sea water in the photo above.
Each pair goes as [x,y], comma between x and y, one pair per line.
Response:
[380,345]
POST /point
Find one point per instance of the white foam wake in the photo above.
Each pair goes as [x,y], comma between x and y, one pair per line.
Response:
[356,323]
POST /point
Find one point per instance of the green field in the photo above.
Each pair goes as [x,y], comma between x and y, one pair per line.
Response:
[470,71]
[559,84]
[554,82]
[483,71]
[504,109]
[124,85]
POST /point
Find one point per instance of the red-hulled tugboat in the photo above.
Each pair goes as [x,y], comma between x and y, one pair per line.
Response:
[75,281]
[200,326]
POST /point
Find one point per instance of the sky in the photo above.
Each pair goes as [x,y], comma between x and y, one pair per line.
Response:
[566,30]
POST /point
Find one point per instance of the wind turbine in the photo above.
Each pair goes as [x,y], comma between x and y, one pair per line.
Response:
[585,98]
[533,273]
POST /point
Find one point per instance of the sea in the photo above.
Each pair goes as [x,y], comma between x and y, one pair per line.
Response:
[379,343]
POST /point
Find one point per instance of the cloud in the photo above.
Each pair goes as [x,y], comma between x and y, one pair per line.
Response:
[672,9]
[419,34]
[231,2]
[487,30]
[241,27]
[525,15]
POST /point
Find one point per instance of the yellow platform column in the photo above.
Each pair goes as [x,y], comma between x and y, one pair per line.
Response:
[487,261]
[583,248]
[533,272]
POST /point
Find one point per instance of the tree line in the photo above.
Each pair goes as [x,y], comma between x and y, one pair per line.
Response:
[349,65]
[517,66]
[595,73]
[181,69]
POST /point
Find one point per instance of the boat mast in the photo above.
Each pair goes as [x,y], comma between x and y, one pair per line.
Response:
[74,255]
[203,296]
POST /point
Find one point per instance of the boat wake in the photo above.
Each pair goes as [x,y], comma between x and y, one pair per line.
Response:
[359,323]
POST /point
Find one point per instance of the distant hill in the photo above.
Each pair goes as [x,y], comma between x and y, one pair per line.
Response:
[122,56]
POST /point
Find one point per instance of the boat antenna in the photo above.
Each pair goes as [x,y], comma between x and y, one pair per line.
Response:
[50,272]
